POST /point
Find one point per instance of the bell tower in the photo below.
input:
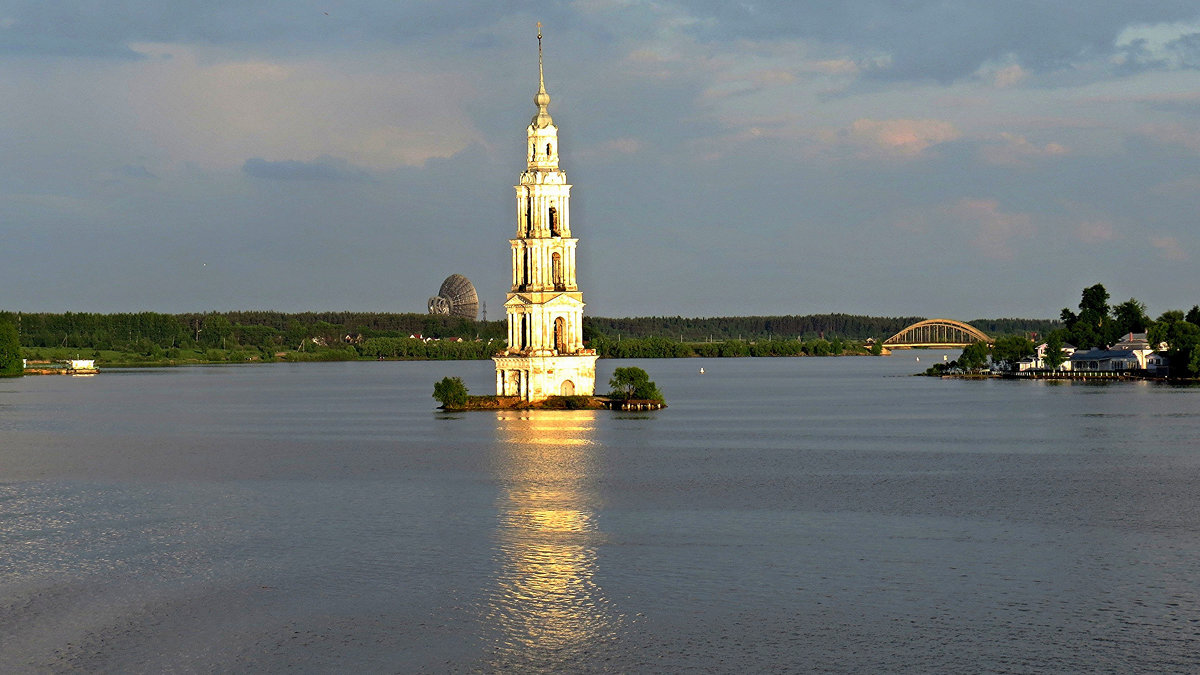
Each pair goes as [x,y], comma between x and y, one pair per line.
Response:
[545,355]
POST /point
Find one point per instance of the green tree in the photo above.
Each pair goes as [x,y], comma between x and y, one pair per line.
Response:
[1092,327]
[1094,302]
[1130,317]
[450,392]
[633,383]
[10,351]
[1183,342]
[1193,315]
[974,356]
[217,329]
[1008,349]
[1054,354]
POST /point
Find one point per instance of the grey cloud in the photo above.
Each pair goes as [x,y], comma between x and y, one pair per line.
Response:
[104,29]
[929,39]
[1185,51]
[323,168]
[135,171]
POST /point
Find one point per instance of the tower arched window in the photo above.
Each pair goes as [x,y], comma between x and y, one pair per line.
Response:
[548,149]
[554,221]
[560,335]
[556,264]
[525,271]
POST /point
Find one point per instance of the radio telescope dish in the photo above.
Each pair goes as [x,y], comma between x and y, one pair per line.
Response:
[456,298]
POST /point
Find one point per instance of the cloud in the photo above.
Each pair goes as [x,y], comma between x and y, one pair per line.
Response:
[1174,45]
[106,29]
[1173,134]
[1016,150]
[1169,248]
[906,138]
[324,168]
[945,42]
[212,111]
[1009,76]
[1095,231]
[834,67]
[996,232]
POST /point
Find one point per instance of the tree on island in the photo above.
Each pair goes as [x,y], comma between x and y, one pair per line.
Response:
[633,383]
[451,392]
[974,356]
[10,351]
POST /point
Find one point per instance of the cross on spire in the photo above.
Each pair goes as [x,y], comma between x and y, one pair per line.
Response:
[541,78]
[542,99]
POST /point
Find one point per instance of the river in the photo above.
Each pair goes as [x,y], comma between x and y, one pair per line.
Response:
[782,515]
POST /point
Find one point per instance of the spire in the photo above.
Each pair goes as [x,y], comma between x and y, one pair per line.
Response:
[542,119]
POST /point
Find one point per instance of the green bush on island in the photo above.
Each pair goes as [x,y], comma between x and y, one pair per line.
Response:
[633,383]
[450,392]
[10,351]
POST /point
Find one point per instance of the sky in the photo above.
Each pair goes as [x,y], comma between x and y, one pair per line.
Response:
[965,159]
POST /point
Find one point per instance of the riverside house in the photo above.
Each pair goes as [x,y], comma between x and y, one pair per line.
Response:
[1038,360]
[1132,353]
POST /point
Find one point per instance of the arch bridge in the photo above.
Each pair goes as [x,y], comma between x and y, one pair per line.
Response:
[936,333]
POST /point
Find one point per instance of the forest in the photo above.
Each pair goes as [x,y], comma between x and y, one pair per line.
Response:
[266,335]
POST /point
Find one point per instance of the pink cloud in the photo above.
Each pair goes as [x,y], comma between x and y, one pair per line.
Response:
[1169,248]
[1016,150]
[906,138]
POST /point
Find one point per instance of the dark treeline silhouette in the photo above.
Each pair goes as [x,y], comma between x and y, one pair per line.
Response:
[1030,327]
[271,330]
[754,328]
[386,335]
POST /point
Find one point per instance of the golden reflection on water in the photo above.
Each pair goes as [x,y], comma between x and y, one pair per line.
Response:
[547,611]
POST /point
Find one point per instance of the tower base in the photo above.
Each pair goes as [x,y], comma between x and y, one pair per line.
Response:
[536,378]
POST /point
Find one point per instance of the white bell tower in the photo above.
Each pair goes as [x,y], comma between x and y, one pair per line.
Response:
[545,355]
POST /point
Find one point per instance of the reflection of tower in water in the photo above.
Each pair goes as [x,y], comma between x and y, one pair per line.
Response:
[547,611]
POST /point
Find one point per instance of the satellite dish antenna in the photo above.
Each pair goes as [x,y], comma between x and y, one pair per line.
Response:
[456,298]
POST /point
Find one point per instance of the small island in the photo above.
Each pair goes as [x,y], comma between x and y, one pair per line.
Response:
[631,387]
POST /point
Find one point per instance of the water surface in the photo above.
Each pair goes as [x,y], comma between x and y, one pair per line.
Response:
[782,515]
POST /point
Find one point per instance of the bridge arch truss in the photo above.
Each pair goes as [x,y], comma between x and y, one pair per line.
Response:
[936,333]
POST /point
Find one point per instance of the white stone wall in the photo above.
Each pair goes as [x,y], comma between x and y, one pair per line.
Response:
[536,378]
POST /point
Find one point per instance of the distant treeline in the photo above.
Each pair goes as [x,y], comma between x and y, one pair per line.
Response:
[225,330]
[660,348]
[755,328]
[387,335]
